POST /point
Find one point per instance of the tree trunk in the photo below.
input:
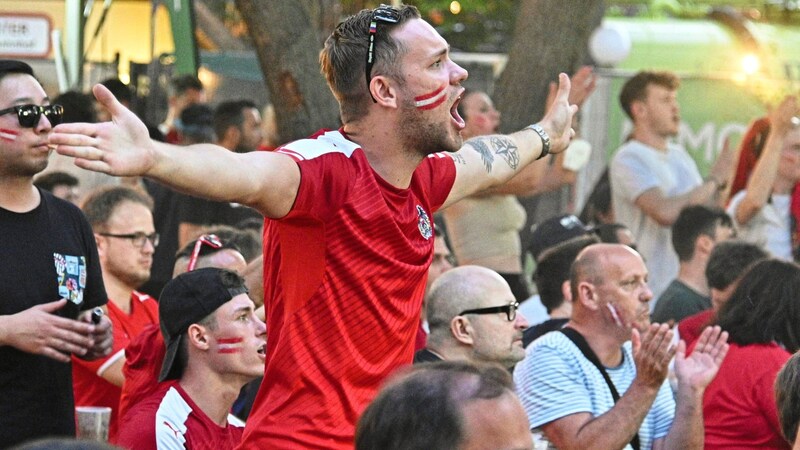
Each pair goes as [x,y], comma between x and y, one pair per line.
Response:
[550,36]
[287,44]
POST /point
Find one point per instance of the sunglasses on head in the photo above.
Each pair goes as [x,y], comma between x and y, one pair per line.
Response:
[29,115]
[385,14]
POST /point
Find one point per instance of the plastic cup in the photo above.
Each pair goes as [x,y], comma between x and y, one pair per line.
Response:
[91,422]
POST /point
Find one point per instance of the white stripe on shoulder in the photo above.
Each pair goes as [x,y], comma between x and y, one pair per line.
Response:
[171,421]
[328,142]
[110,362]
[439,155]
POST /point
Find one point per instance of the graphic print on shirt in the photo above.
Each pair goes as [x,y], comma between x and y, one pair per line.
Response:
[71,276]
[425,228]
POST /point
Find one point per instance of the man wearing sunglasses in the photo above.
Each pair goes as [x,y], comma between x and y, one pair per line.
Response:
[472,315]
[51,275]
[122,221]
[349,233]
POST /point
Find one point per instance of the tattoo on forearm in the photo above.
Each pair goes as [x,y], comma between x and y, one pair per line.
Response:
[503,147]
[486,154]
[507,150]
[458,158]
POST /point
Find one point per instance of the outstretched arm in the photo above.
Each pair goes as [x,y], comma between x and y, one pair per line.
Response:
[265,181]
[488,161]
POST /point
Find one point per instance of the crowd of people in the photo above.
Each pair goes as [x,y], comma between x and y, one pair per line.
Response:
[304,297]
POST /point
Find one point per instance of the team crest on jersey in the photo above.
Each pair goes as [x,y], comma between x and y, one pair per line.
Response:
[424,224]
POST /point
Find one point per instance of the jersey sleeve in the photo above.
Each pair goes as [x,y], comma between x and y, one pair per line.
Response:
[631,175]
[324,184]
[434,179]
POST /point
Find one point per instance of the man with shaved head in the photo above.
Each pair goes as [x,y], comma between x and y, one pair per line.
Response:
[601,381]
[473,316]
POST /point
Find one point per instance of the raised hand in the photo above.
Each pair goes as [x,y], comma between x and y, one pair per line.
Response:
[121,147]
[37,330]
[558,120]
[652,353]
[697,370]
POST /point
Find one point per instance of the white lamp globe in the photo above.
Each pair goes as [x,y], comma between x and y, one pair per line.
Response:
[609,45]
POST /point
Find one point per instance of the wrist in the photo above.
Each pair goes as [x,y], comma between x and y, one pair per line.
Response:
[536,128]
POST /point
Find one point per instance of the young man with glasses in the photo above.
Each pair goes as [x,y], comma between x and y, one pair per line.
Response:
[473,316]
[122,221]
[349,231]
[51,275]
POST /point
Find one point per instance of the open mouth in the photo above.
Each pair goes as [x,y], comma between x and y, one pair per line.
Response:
[262,350]
[457,119]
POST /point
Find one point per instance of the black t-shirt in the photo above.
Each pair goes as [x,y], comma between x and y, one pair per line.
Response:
[46,254]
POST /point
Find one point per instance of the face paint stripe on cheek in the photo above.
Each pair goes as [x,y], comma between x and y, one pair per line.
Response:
[431,100]
[8,135]
[229,345]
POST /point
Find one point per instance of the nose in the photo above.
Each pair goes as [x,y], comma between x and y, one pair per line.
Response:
[148,247]
[647,294]
[520,322]
[261,327]
[458,74]
[44,125]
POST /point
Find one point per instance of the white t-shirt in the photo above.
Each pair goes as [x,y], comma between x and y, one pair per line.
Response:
[770,228]
[636,168]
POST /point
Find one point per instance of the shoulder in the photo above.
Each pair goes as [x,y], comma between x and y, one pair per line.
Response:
[324,142]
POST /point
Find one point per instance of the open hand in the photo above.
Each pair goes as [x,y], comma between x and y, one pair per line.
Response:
[558,120]
[652,353]
[121,147]
[697,371]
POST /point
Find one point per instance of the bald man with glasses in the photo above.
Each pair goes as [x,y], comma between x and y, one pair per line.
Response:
[473,316]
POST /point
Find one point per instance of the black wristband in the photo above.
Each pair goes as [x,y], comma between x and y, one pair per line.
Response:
[544,137]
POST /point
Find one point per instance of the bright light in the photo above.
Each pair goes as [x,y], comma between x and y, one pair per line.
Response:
[750,64]
[125,77]
[455,7]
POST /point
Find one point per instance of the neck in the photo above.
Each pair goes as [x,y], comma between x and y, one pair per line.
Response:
[384,151]
[606,345]
[564,311]
[118,292]
[692,274]
[213,394]
[18,194]
[651,139]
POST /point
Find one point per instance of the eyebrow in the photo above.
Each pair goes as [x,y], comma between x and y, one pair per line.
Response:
[26,100]
[243,309]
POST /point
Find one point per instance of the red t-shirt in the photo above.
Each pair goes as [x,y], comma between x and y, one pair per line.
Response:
[739,408]
[89,387]
[143,359]
[690,328]
[346,272]
[169,419]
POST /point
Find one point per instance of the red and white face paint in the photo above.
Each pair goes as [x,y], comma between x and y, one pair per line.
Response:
[432,99]
[230,345]
[8,135]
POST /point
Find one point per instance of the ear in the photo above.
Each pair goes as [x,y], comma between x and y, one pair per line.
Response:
[704,244]
[587,296]
[102,243]
[637,108]
[566,291]
[461,330]
[384,91]
[232,135]
[198,336]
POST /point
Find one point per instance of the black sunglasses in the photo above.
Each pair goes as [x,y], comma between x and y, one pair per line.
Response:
[510,310]
[29,115]
[385,14]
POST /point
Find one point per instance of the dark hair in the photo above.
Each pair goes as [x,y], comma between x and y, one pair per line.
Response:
[765,307]
[421,409]
[13,66]
[230,114]
[787,397]
[121,91]
[729,260]
[100,203]
[50,180]
[64,443]
[599,201]
[196,123]
[553,270]
[183,83]
[695,221]
[343,59]
[607,232]
[635,89]
[78,107]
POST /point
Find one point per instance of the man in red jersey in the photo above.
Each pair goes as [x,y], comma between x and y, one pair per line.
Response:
[126,239]
[349,232]
[215,345]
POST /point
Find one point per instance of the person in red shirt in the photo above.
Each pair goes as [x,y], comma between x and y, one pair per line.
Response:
[763,321]
[122,221]
[215,345]
[348,237]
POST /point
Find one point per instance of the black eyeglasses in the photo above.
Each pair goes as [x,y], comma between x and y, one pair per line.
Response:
[29,115]
[385,14]
[510,310]
[138,239]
